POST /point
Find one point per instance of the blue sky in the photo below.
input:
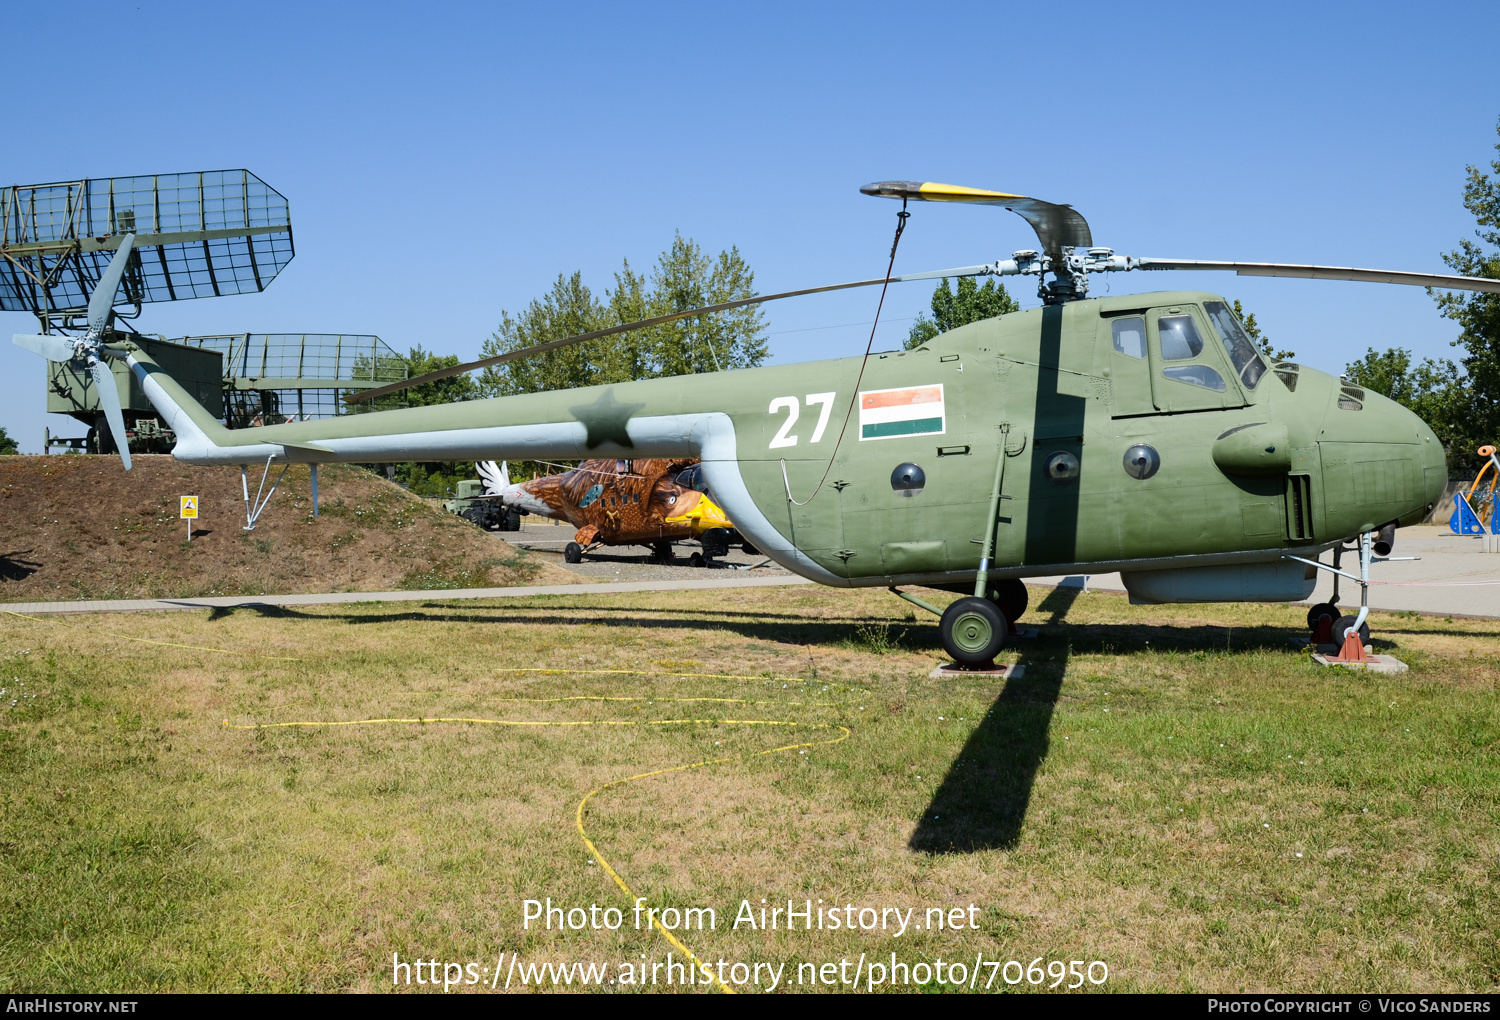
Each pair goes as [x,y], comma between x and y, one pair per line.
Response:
[446,161]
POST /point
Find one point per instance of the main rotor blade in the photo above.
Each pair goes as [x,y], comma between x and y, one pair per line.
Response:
[53,348]
[552,345]
[103,298]
[1055,225]
[1438,280]
[109,399]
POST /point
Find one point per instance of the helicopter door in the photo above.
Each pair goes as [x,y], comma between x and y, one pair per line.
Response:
[1129,368]
[1187,372]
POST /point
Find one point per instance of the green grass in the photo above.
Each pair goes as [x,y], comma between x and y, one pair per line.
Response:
[1140,797]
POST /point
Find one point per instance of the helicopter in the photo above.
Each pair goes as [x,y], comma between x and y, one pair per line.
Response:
[652,502]
[1139,433]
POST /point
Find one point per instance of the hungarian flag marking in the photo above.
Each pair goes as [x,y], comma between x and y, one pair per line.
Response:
[908,411]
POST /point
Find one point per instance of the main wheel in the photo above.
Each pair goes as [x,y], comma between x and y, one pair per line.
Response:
[663,552]
[1011,597]
[973,631]
[573,553]
[696,560]
[1341,628]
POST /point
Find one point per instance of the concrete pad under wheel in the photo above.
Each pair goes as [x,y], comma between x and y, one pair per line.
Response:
[952,669]
[1377,663]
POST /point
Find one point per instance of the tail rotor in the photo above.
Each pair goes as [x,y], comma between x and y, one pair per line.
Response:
[87,353]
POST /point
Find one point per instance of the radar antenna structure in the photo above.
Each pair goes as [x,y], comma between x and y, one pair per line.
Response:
[208,233]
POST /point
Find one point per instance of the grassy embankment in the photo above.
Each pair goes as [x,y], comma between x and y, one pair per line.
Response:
[75,527]
[1195,804]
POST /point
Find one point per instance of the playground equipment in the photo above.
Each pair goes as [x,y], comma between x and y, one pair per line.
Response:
[1474,510]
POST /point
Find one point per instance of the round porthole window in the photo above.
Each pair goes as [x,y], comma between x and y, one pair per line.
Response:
[1062,467]
[908,479]
[1142,461]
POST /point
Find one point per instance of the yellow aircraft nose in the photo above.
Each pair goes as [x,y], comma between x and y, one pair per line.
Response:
[698,512]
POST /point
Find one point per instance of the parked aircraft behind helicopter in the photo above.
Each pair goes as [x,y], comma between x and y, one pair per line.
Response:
[651,502]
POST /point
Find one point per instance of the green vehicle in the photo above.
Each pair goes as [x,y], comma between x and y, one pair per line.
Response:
[482,511]
[1139,433]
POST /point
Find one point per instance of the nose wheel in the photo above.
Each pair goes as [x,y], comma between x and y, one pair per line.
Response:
[1320,620]
[973,631]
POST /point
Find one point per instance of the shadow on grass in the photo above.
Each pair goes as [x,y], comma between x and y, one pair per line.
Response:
[14,567]
[798,629]
[983,799]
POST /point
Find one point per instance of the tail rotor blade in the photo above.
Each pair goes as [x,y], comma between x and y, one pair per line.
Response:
[53,348]
[104,294]
[109,399]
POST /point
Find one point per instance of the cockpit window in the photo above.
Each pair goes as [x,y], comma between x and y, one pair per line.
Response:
[1130,336]
[1196,375]
[1241,350]
[1179,338]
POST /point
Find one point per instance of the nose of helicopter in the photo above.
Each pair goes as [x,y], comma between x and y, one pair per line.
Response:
[1381,462]
[1434,462]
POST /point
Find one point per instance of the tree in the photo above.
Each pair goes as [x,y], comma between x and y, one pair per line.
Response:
[1261,340]
[684,277]
[568,309]
[1478,314]
[444,391]
[7,444]
[951,310]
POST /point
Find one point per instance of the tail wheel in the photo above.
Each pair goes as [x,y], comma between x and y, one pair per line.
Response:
[1343,625]
[973,631]
[573,553]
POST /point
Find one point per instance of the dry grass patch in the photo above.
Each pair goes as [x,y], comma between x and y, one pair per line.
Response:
[1140,797]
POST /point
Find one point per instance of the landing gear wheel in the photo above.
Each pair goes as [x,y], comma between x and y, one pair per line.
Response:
[973,631]
[1341,628]
[662,553]
[1011,598]
[1320,620]
[696,560]
[749,549]
[573,553]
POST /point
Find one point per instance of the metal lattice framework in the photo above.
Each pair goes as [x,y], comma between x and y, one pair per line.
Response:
[201,234]
[277,377]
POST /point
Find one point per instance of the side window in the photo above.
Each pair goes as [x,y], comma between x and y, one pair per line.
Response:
[1130,336]
[1179,339]
[1197,375]
[1247,362]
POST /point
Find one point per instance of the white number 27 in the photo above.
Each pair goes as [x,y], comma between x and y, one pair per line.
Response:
[824,403]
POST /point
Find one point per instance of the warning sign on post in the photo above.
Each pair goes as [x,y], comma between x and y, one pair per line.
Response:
[189,507]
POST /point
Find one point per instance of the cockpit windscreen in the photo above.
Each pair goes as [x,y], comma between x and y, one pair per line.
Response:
[1247,362]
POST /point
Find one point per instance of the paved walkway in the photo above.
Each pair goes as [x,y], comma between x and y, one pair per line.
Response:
[737,580]
[1454,576]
